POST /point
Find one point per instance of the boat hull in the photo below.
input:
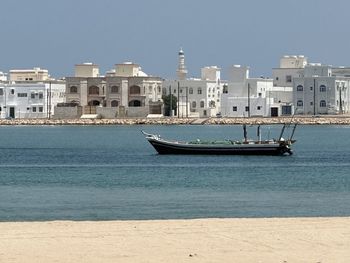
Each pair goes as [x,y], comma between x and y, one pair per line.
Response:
[165,147]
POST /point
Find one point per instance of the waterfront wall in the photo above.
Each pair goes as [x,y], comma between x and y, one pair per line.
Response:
[182,121]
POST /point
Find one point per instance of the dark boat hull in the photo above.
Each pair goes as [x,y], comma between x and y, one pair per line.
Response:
[164,147]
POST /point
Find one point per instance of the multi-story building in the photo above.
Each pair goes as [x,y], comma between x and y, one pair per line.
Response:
[195,97]
[124,91]
[322,90]
[245,97]
[30,93]
[30,99]
[35,74]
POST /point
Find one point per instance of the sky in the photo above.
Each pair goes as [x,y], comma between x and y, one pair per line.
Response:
[57,34]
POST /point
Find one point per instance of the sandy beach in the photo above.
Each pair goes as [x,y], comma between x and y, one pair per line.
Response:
[309,240]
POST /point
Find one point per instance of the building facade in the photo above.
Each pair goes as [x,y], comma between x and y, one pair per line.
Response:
[30,100]
[196,97]
[247,97]
[322,90]
[35,74]
[124,91]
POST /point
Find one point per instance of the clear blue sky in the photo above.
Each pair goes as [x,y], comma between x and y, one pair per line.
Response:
[57,34]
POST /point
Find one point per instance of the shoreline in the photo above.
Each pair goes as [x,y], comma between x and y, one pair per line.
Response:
[304,120]
[193,240]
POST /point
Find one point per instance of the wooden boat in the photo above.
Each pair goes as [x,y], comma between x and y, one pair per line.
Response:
[243,147]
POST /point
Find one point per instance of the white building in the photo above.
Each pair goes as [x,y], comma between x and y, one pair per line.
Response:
[197,97]
[3,76]
[246,97]
[290,67]
[322,90]
[29,99]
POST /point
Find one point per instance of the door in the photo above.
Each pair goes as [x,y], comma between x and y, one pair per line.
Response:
[12,112]
[274,112]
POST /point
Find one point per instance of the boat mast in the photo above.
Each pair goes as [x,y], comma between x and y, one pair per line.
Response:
[245,132]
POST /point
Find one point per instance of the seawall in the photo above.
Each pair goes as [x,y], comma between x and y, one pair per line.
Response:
[323,120]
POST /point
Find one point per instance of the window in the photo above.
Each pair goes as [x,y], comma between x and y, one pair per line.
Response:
[21,95]
[259,94]
[94,90]
[41,95]
[73,89]
[115,89]
[0,109]
[258,107]
[32,95]
[199,90]
[114,103]
[212,103]
[234,108]
[322,88]
[12,92]
[300,88]
[190,91]
[311,103]
[288,78]
[159,89]
[135,90]
[276,78]
[299,103]
[323,103]
[41,109]
[34,109]
[1,92]
[209,90]
[225,89]
[194,104]
[311,88]
[247,108]
[202,104]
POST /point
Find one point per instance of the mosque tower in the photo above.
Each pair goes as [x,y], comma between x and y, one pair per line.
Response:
[181,70]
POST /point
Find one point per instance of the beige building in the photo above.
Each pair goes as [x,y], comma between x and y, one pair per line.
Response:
[35,74]
[87,70]
[125,91]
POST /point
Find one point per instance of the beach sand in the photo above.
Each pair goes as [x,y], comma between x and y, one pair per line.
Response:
[309,240]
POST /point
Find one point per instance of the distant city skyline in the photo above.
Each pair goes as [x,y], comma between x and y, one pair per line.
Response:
[56,35]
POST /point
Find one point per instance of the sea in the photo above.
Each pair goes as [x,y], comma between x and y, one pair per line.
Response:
[113,173]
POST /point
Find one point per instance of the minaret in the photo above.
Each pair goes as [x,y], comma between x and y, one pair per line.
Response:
[181,70]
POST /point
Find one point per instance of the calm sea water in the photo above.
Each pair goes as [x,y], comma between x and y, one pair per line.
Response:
[111,172]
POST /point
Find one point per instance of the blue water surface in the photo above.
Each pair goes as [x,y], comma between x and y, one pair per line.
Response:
[111,172]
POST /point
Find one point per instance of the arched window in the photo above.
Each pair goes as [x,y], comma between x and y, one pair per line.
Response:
[202,104]
[134,90]
[94,90]
[300,88]
[190,91]
[322,88]
[199,90]
[299,103]
[73,89]
[114,103]
[135,103]
[115,89]
[194,104]
[323,103]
